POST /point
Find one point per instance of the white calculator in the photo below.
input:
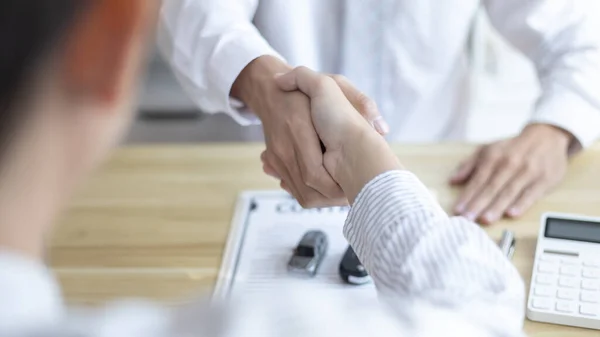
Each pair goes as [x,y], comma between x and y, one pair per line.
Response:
[565,283]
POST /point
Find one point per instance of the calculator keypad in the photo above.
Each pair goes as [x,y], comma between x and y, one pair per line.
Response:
[567,282]
[567,286]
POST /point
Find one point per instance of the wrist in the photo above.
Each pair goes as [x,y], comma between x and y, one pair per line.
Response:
[364,155]
[256,80]
[563,137]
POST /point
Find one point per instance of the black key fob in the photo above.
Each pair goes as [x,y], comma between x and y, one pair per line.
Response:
[351,269]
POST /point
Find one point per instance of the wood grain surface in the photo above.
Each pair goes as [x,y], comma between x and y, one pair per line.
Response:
[153,221]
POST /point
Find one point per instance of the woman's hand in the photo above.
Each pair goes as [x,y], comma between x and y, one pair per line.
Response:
[354,151]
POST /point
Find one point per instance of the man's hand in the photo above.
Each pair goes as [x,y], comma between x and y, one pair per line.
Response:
[507,177]
[293,152]
[354,151]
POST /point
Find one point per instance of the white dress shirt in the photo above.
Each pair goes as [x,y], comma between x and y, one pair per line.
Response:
[435,276]
[409,55]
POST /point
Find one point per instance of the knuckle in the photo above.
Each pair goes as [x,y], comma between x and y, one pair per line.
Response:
[529,166]
[324,82]
[302,202]
[490,154]
[281,152]
[311,178]
[478,181]
[301,68]
[363,101]
[545,175]
[339,78]
[311,201]
[510,191]
[511,162]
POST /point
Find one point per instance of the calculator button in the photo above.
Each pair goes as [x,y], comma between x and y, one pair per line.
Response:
[543,291]
[547,268]
[541,303]
[589,296]
[569,270]
[567,294]
[549,258]
[545,279]
[591,263]
[591,273]
[563,306]
[567,282]
[588,309]
[570,261]
[589,285]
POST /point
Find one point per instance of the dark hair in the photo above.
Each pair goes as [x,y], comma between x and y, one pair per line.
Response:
[29,30]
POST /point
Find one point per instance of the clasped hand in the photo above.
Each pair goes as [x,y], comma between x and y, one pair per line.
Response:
[316,108]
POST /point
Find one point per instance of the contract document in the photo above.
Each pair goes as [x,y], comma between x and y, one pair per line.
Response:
[265,229]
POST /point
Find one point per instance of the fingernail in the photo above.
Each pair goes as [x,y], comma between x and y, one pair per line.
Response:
[489,217]
[513,211]
[470,216]
[459,208]
[380,125]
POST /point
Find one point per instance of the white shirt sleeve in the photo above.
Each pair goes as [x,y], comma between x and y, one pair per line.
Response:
[208,43]
[561,37]
[427,267]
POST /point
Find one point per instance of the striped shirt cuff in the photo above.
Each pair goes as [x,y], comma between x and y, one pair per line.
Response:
[389,197]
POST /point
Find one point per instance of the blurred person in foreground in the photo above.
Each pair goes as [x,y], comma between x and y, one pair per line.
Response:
[411,57]
[67,79]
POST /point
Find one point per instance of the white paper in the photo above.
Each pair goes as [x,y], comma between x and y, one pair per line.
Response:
[266,227]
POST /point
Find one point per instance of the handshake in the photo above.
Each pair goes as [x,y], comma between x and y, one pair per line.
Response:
[323,136]
[301,110]
[325,156]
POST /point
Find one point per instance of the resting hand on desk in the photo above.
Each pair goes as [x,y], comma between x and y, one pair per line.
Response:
[505,178]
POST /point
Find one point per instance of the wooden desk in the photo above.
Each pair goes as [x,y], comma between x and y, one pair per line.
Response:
[154,221]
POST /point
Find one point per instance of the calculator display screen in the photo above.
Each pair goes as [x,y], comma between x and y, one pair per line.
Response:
[577,230]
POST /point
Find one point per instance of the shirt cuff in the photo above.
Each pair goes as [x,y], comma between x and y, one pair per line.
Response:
[390,197]
[571,112]
[238,50]
[28,292]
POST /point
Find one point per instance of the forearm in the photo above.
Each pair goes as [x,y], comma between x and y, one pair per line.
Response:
[560,37]
[411,247]
[208,43]
[255,84]
[363,156]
